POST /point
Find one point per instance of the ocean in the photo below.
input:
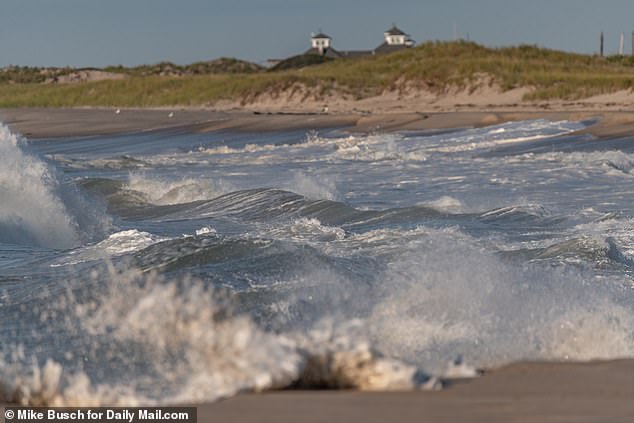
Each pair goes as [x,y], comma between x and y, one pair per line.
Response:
[174,267]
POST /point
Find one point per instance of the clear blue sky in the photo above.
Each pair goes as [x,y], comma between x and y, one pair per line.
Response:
[130,32]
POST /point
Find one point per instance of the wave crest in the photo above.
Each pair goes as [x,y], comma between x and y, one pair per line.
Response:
[31,211]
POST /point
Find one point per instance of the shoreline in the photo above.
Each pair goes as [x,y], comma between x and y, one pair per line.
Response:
[574,392]
[85,122]
[521,392]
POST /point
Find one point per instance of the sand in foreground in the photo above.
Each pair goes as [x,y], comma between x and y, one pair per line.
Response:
[523,392]
[600,392]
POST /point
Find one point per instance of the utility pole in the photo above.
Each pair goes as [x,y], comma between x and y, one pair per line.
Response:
[622,45]
[601,50]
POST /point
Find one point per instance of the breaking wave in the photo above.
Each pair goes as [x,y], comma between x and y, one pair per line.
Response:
[185,344]
[37,209]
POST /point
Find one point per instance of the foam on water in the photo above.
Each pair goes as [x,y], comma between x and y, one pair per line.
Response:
[117,244]
[442,295]
[168,192]
[446,204]
[189,346]
[614,161]
[498,135]
[304,229]
[31,211]
[446,297]
[314,187]
[376,148]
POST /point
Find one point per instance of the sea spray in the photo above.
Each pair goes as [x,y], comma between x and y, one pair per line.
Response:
[320,187]
[31,210]
[166,192]
[186,344]
[447,296]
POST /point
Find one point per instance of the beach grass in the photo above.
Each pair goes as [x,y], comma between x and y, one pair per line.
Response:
[434,66]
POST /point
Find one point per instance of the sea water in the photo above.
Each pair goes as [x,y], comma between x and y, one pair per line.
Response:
[171,267]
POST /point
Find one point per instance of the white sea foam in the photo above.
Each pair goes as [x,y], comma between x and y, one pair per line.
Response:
[48,386]
[194,344]
[446,204]
[117,244]
[445,297]
[31,211]
[205,230]
[249,148]
[371,148]
[316,187]
[614,161]
[442,295]
[166,192]
[304,229]
[602,330]
[507,133]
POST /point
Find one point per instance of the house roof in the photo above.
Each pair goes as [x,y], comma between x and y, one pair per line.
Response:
[356,53]
[386,48]
[394,31]
[327,52]
[320,35]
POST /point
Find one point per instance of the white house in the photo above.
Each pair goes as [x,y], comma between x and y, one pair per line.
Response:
[395,36]
[321,42]
[395,40]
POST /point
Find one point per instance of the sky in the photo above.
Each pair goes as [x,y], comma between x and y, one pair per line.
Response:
[97,33]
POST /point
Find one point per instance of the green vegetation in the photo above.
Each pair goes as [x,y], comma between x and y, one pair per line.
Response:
[217,66]
[434,66]
[30,75]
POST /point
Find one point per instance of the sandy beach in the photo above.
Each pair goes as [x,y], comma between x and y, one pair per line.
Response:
[518,393]
[521,392]
[52,123]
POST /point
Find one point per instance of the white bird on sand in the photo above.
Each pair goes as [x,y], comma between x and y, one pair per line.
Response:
[171,114]
[116,112]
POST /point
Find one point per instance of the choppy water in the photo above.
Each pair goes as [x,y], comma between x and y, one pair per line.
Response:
[174,267]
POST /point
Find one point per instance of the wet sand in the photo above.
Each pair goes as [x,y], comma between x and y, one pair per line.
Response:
[595,392]
[52,123]
[523,392]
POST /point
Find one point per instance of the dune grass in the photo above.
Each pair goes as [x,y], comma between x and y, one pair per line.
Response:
[435,66]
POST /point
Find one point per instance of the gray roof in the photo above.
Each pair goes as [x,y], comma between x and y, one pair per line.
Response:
[327,52]
[356,53]
[320,35]
[394,31]
[386,48]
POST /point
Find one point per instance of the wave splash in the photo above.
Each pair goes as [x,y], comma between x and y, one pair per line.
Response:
[184,343]
[166,192]
[32,211]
